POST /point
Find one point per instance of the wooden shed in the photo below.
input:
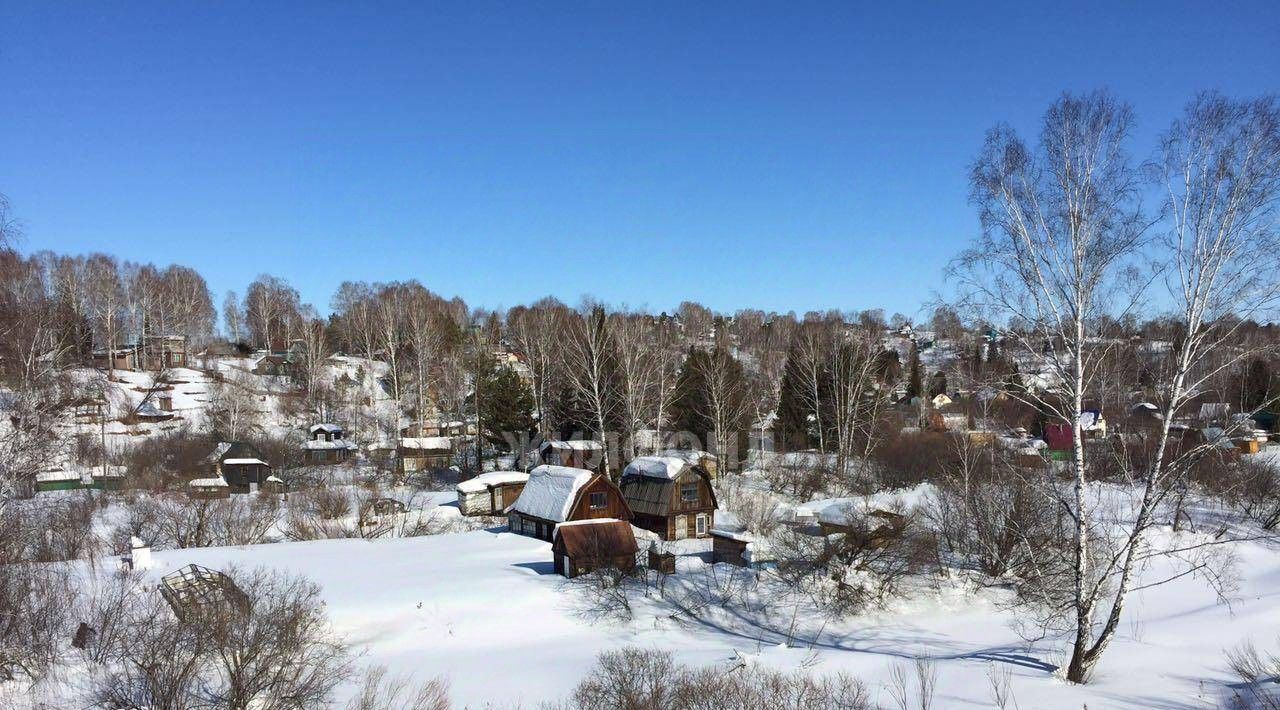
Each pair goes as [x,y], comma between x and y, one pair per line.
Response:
[669,496]
[558,494]
[426,453]
[577,453]
[740,548]
[490,493]
[582,546]
[240,465]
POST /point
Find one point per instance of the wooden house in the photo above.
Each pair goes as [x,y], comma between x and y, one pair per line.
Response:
[582,546]
[490,493]
[160,352]
[125,358]
[208,488]
[576,453]
[426,453]
[273,364]
[327,444]
[238,464]
[669,496]
[557,494]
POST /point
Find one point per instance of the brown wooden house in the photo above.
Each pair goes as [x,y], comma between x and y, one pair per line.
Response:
[240,465]
[425,453]
[582,546]
[327,445]
[557,494]
[576,453]
[669,496]
[160,352]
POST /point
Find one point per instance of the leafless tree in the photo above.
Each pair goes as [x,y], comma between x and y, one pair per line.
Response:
[591,368]
[1062,235]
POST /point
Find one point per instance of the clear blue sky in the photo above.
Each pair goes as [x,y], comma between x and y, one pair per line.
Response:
[781,156]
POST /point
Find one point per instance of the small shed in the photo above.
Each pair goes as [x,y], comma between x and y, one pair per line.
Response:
[490,493]
[208,488]
[739,547]
[425,453]
[583,546]
[577,453]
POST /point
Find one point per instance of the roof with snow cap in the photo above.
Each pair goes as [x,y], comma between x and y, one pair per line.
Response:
[550,492]
[494,478]
[666,467]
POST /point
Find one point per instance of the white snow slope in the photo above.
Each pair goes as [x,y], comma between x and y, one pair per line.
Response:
[485,610]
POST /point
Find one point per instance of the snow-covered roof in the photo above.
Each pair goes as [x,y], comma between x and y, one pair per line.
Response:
[833,511]
[588,521]
[274,479]
[668,467]
[208,483]
[1090,420]
[690,455]
[739,535]
[322,445]
[246,462]
[573,445]
[52,476]
[427,442]
[550,491]
[493,478]
[325,427]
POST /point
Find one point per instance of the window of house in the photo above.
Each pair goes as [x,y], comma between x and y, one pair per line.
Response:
[597,501]
[689,493]
[701,525]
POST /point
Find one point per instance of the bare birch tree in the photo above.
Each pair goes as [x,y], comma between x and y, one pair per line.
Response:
[1060,225]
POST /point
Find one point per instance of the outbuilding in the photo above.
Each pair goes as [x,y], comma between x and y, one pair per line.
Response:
[490,493]
[583,546]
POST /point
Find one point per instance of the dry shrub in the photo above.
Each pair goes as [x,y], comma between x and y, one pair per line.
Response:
[648,679]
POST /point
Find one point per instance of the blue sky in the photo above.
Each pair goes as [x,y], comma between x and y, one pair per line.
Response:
[782,156]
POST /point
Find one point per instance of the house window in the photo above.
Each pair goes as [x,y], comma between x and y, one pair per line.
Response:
[700,525]
[597,501]
[689,493]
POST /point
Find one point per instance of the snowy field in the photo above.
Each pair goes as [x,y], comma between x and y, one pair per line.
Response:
[485,610]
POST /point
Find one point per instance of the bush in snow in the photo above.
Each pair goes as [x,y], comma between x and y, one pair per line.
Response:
[648,679]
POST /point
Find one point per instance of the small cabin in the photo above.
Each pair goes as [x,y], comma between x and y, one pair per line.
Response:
[739,548]
[115,359]
[276,365]
[669,496]
[490,493]
[208,488]
[327,444]
[160,352]
[577,453]
[558,494]
[239,465]
[583,546]
[425,453]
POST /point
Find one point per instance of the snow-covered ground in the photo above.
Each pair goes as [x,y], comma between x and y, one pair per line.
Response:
[485,609]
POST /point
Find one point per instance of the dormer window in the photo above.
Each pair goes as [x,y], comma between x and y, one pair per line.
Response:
[598,501]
